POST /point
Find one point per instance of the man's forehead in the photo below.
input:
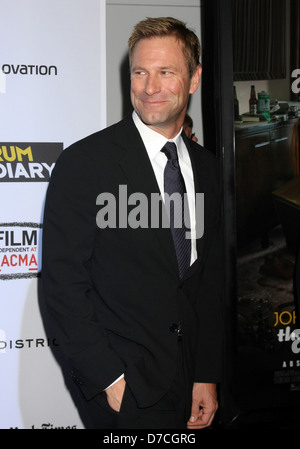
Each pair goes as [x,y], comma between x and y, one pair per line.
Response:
[171,39]
[158,43]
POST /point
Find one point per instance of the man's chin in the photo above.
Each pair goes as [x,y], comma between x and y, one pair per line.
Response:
[152,119]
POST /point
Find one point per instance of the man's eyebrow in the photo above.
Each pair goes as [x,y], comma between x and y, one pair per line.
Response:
[164,67]
[137,67]
[169,67]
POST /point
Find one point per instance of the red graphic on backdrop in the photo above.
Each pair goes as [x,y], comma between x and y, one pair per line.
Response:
[19,250]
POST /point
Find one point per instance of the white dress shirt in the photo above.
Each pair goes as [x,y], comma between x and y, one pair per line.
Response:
[154,142]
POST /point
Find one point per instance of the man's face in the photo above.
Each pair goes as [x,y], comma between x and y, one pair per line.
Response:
[160,84]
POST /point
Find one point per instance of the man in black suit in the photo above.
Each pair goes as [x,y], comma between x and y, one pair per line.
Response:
[143,341]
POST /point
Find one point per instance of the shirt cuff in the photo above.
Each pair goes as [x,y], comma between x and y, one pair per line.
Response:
[119,378]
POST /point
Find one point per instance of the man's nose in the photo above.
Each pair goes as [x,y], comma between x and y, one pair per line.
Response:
[152,85]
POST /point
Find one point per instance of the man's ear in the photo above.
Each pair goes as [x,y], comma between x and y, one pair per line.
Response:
[195,81]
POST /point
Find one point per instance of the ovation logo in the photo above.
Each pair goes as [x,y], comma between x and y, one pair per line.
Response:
[31,69]
[19,254]
[28,162]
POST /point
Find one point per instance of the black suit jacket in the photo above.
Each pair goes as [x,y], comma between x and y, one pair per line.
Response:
[112,294]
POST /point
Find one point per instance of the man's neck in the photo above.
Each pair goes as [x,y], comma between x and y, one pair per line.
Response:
[168,132]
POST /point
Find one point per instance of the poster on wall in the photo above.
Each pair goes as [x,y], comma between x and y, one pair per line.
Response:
[268,336]
[52,93]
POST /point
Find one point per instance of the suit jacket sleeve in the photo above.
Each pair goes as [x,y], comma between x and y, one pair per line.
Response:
[208,363]
[69,232]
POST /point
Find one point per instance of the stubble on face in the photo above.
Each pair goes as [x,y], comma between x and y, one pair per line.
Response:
[160,84]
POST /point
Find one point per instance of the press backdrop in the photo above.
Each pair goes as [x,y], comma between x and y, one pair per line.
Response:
[52,93]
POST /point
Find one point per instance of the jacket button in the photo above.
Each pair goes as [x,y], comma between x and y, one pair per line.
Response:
[76,380]
[174,327]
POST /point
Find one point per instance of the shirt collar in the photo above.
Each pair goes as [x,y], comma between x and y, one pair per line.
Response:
[153,140]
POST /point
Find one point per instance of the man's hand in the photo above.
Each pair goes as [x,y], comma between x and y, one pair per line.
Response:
[204,405]
[115,394]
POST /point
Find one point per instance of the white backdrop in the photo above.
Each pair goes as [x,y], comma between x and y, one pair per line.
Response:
[52,93]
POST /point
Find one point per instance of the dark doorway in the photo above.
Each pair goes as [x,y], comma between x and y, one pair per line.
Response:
[276,408]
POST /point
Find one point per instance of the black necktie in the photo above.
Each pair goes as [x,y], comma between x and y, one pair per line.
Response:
[174,183]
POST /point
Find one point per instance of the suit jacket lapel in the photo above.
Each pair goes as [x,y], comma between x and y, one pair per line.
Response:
[141,178]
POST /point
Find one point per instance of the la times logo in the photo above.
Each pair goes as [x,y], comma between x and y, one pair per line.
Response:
[28,162]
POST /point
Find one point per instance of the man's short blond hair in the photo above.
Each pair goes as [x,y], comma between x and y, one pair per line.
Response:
[168,26]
